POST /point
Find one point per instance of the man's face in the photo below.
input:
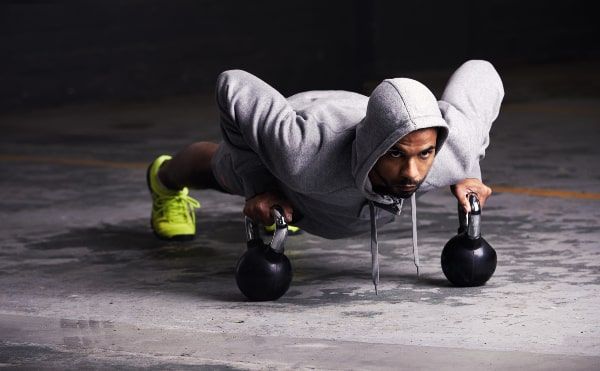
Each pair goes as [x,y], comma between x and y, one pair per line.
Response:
[402,169]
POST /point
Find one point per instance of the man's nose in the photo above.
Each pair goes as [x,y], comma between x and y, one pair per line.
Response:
[410,170]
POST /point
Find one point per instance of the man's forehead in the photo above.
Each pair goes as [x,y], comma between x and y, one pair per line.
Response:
[418,138]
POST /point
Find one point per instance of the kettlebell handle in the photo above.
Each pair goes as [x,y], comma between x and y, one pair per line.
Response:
[279,235]
[470,222]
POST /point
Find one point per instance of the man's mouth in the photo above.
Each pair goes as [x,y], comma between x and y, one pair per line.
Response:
[405,188]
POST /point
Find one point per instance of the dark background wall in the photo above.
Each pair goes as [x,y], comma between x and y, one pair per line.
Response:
[59,52]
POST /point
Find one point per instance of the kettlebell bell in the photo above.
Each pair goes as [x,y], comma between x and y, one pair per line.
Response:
[263,272]
[468,259]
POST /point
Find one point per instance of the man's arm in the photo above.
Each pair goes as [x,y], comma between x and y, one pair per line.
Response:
[470,103]
[269,139]
[475,89]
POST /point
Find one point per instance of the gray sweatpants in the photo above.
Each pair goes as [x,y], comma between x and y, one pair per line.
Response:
[222,168]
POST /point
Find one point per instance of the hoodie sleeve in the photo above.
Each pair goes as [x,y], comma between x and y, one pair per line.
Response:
[470,104]
[269,140]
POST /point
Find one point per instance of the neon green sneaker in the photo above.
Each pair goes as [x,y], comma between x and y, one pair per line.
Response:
[173,216]
[292,229]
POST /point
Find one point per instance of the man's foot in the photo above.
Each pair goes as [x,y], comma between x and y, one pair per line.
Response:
[292,229]
[173,216]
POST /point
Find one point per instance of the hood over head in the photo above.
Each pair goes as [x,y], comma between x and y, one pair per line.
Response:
[396,108]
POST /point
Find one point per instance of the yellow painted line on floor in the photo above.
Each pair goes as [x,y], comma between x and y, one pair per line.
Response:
[545,192]
[539,192]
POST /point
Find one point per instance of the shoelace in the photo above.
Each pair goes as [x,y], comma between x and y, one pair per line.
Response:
[177,208]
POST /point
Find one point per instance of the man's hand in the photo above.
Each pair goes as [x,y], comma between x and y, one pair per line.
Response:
[470,185]
[258,208]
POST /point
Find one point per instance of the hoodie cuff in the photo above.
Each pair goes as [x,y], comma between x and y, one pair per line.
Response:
[257,182]
[475,172]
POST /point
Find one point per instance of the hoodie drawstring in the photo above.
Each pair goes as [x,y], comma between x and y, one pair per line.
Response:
[413,209]
[375,245]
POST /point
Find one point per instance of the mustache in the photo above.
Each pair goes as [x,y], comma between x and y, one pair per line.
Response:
[403,182]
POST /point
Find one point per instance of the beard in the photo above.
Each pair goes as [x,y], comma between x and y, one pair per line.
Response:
[402,189]
[396,190]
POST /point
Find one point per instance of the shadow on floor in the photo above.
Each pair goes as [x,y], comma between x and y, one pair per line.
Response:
[128,257]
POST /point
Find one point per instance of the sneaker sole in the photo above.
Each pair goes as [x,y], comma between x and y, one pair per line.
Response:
[178,237]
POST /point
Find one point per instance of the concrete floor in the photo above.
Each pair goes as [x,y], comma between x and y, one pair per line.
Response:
[84,283]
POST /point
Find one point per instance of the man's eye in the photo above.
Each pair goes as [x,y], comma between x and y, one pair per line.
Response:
[425,154]
[395,153]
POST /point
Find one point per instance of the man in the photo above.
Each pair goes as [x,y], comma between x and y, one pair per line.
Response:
[337,162]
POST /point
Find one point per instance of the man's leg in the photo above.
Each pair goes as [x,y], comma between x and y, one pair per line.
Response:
[191,168]
[169,179]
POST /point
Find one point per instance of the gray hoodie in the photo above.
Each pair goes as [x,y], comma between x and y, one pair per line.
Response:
[318,147]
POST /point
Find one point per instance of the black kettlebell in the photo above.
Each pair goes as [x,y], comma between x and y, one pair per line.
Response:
[467,259]
[263,271]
